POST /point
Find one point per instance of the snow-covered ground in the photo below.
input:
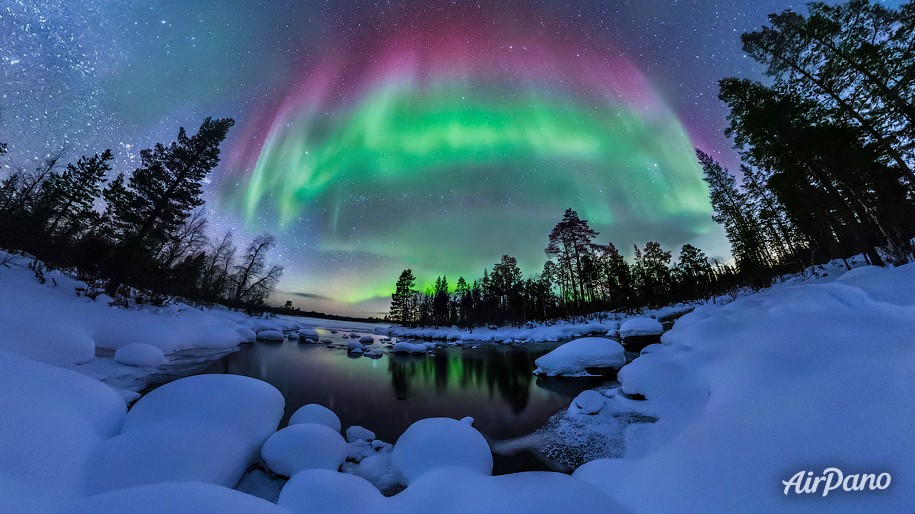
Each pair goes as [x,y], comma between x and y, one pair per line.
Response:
[608,324]
[813,373]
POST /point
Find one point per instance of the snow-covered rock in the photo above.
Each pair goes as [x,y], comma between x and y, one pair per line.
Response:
[139,354]
[366,339]
[309,333]
[314,413]
[324,491]
[406,347]
[304,446]
[440,442]
[641,327]
[52,419]
[353,345]
[204,428]
[270,335]
[356,432]
[246,334]
[588,402]
[572,358]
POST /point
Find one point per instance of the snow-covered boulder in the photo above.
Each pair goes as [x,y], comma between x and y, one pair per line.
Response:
[440,442]
[572,358]
[139,354]
[588,402]
[353,345]
[204,428]
[405,347]
[355,432]
[314,413]
[270,335]
[641,327]
[51,421]
[246,334]
[309,333]
[168,452]
[320,490]
[366,339]
[304,446]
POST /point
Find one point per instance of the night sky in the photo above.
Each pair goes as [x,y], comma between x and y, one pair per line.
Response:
[376,136]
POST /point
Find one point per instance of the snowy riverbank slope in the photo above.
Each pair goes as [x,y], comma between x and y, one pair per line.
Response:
[807,375]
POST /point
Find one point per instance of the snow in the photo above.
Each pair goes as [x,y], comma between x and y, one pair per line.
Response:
[56,323]
[270,335]
[356,432]
[204,428]
[640,327]
[435,442]
[139,354]
[571,359]
[304,446]
[407,347]
[174,497]
[808,374]
[324,491]
[51,420]
[461,490]
[588,402]
[309,333]
[314,413]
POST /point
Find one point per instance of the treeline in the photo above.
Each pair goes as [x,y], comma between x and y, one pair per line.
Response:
[580,277]
[144,229]
[828,145]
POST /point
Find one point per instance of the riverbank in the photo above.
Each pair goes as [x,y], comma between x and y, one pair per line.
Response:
[812,373]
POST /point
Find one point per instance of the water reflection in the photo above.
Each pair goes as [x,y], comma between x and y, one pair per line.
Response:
[493,383]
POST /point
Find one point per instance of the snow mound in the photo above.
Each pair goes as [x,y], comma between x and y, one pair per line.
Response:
[270,335]
[460,490]
[204,428]
[139,354]
[52,420]
[353,345]
[588,402]
[304,446]
[314,413]
[355,432]
[367,339]
[174,497]
[246,334]
[405,347]
[438,442]
[251,407]
[572,358]
[309,333]
[324,491]
[641,327]
[168,452]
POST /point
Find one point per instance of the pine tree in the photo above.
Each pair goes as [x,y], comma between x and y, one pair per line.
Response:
[167,187]
[570,243]
[402,298]
[67,199]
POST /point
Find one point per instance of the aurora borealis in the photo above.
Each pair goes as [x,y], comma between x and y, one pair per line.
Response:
[447,140]
[376,136]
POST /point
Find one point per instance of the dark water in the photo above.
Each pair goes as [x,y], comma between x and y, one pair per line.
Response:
[492,383]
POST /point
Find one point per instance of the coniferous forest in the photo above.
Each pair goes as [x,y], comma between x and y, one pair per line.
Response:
[145,229]
[828,171]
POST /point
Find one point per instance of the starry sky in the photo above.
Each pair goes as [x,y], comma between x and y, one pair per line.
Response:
[374,136]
